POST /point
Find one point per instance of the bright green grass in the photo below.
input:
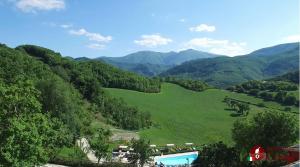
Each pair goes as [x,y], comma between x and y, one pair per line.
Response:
[187,116]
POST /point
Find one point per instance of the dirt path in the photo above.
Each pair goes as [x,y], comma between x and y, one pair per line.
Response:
[124,135]
[85,147]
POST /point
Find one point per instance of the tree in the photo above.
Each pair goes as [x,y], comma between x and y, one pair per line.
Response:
[142,151]
[280,96]
[243,108]
[28,137]
[290,100]
[217,154]
[100,144]
[269,128]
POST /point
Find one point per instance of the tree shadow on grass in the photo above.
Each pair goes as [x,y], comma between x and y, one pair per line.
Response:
[237,115]
[229,109]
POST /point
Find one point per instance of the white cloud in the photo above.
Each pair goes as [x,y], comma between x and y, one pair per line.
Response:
[91,36]
[152,40]
[223,47]
[96,37]
[34,5]
[96,46]
[292,38]
[66,26]
[203,27]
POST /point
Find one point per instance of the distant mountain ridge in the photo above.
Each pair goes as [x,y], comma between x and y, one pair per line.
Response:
[152,63]
[227,71]
[160,58]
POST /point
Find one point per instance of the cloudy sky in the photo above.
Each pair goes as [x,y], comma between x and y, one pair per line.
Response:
[94,28]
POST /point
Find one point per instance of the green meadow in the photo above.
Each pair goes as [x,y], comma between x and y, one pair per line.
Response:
[181,115]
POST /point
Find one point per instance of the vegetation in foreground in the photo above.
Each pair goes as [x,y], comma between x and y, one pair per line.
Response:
[246,133]
[47,102]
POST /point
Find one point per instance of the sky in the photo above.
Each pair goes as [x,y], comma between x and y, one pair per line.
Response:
[95,28]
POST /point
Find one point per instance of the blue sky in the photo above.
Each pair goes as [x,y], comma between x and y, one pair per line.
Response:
[95,28]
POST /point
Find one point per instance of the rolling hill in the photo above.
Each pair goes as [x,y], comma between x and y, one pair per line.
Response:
[181,115]
[228,71]
[151,63]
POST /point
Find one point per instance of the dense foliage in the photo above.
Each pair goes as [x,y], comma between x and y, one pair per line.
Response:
[267,129]
[141,152]
[227,71]
[194,85]
[217,154]
[271,90]
[90,76]
[47,102]
[28,136]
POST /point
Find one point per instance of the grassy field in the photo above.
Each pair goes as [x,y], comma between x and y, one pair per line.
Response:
[181,115]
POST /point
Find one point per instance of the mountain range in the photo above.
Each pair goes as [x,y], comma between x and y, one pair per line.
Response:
[217,70]
[151,63]
[227,71]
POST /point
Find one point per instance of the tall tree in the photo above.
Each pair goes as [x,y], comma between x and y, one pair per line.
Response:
[100,144]
[142,151]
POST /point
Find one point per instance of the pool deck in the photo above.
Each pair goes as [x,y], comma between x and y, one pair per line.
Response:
[175,155]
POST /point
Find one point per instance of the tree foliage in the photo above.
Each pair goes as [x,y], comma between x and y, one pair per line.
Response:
[100,144]
[270,128]
[28,137]
[141,152]
[237,106]
[217,154]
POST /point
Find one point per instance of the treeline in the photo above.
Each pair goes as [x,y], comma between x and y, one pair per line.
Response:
[269,90]
[47,102]
[194,85]
[90,76]
[239,107]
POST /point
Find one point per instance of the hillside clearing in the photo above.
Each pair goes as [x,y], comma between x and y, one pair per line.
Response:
[182,115]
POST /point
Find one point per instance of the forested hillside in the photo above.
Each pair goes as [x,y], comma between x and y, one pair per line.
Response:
[229,71]
[48,101]
[282,89]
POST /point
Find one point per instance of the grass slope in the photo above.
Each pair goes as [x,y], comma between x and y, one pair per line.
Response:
[182,115]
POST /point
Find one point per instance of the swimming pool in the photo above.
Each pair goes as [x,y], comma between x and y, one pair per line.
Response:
[177,159]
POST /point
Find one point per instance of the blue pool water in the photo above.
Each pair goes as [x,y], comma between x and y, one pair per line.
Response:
[177,160]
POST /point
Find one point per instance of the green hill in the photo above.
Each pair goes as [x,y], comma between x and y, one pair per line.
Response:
[228,71]
[151,63]
[181,115]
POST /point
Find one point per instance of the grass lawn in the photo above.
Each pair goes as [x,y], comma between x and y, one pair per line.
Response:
[181,115]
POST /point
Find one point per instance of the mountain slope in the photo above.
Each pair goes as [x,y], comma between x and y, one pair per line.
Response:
[228,71]
[151,63]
